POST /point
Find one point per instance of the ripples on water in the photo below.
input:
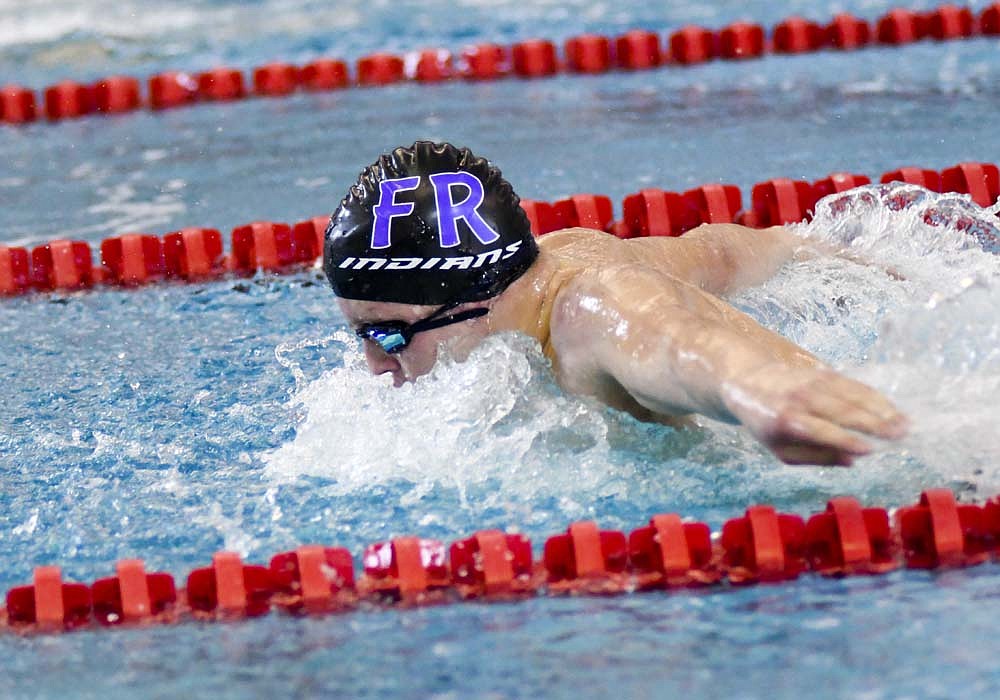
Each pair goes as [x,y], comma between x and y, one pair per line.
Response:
[173,421]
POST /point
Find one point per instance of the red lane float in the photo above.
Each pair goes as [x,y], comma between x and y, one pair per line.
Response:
[49,604]
[542,216]
[991,521]
[380,69]
[63,265]
[68,100]
[950,22]
[849,539]
[915,176]
[432,66]
[116,95]
[901,27]
[221,84]
[586,559]
[492,563]
[669,553]
[262,245]
[693,45]
[585,210]
[133,259]
[798,35]
[763,546]
[653,212]
[193,253]
[275,79]
[715,204]
[308,236]
[989,20]
[535,58]
[848,32]
[838,182]
[780,201]
[485,62]
[324,74]
[741,40]
[939,532]
[589,53]
[638,50]
[313,579]
[15,273]
[17,105]
[132,595]
[407,569]
[172,90]
[980,180]
[228,588]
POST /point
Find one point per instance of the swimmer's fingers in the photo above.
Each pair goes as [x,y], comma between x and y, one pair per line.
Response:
[802,438]
[865,396]
[853,405]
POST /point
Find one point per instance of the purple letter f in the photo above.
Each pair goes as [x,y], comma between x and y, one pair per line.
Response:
[387,209]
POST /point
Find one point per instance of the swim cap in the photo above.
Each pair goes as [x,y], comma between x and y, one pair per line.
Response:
[431,224]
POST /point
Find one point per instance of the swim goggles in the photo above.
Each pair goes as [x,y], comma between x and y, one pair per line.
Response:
[394,336]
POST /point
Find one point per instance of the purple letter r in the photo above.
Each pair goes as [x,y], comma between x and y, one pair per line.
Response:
[450,212]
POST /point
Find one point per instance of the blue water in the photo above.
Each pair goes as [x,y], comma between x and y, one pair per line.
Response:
[170,422]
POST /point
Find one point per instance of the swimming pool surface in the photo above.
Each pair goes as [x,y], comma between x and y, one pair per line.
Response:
[170,422]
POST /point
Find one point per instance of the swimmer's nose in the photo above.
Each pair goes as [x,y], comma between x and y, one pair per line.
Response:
[379,362]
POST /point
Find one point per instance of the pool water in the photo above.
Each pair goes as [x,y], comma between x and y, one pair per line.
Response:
[170,422]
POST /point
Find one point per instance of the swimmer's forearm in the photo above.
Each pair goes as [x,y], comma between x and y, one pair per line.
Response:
[697,362]
[676,350]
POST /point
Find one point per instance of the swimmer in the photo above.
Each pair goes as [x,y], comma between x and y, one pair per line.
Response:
[430,247]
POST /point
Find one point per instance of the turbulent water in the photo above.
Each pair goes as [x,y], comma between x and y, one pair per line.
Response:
[908,307]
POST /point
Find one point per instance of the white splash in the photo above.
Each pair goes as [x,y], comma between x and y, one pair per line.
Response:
[927,334]
[931,339]
[495,416]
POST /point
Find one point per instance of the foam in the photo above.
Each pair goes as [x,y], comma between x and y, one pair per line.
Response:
[497,426]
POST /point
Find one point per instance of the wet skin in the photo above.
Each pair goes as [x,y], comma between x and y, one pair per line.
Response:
[641,325]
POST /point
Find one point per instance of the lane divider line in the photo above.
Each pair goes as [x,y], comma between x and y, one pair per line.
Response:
[763,546]
[196,254]
[586,54]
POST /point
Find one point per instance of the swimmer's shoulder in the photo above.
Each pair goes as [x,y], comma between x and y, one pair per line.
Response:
[576,250]
[585,246]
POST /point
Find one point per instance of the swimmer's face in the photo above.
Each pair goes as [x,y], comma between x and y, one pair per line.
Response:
[419,356]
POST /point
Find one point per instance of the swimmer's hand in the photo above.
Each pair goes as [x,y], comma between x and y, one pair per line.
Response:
[806,415]
[812,248]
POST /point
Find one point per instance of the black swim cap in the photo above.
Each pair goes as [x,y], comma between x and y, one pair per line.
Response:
[431,224]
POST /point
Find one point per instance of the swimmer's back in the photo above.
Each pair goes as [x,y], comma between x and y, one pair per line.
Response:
[716,258]
[579,249]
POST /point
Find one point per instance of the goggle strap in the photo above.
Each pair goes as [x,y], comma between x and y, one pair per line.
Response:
[429,324]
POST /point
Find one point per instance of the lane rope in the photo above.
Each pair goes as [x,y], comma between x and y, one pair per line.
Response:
[586,54]
[196,254]
[761,546]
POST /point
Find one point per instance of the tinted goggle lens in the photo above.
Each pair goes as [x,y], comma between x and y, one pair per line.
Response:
[391,337]
[394,336]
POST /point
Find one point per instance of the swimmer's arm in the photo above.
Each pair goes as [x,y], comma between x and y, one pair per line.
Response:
[725,258]
[722,258]
[676,350]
